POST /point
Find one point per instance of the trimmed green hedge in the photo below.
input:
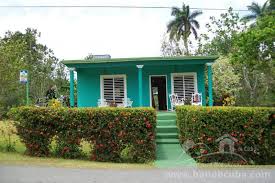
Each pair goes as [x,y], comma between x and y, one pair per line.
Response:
[249,127]
[115,134]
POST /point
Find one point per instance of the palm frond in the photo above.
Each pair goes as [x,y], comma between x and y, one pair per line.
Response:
[187,10]
[175,11]
[265,6]
[249,17]
[171,24]
[194,14]
[195,23]
[255,8]
[194,31]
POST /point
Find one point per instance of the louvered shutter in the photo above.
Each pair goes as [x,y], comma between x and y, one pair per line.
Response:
[113,88]
[184,85]
[118,89]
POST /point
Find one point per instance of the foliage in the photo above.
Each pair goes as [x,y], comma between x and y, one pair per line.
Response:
[253,55]
[54,103]
[256,11]
[21,50]
[249,126]
[183,25]
[220,35]
[170,48]
[226,82]
[7,131]
[110,131]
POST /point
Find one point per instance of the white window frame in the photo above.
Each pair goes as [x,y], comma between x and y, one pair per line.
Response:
[102,77]
[184,74]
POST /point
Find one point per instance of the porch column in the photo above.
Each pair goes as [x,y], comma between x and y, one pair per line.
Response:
[210,94]
[72,87]
[140,84]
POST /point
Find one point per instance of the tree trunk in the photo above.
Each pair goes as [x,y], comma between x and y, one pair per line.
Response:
[185,40]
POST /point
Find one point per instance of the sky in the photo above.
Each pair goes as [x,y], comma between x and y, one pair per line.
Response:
[73,33]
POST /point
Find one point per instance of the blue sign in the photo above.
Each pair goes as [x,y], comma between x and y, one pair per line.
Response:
[23,76]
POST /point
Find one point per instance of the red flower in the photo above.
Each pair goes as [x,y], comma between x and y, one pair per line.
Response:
[209,139]
[204,151]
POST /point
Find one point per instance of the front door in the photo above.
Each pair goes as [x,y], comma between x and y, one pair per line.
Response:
[158,92]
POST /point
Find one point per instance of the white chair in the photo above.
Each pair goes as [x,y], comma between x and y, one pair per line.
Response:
[196,99]
[175,101]
[102,103]
[126,103]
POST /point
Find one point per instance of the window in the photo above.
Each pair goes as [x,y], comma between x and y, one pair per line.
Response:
[184,85]
[113,88]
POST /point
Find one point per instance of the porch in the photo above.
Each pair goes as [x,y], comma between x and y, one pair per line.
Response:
[146,81]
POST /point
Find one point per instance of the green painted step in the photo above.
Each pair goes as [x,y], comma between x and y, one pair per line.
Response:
[167,135]
[169,151]
[166,122]
[167,129]
[166,115]
[171,156]
[167,141]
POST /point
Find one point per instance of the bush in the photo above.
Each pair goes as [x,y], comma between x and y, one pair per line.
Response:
[115,134]
[248,128]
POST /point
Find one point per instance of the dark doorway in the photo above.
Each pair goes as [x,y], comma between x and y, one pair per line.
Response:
[158,92]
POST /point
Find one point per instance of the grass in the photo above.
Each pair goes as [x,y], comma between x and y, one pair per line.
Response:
[17,157]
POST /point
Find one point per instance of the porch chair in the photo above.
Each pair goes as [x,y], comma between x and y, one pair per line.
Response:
[126,103]
[102,103]
[196,99]
[175,101]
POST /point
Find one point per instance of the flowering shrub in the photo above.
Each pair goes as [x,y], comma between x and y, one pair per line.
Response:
[115,134]
[228,134]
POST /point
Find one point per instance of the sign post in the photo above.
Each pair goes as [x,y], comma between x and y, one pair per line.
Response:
[24,80]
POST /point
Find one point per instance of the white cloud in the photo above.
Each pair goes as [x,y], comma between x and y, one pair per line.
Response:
[74,32]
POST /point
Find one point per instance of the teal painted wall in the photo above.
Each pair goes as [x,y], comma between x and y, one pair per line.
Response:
[89,82]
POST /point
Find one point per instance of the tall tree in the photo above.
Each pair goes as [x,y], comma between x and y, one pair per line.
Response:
[183,24]
[256,11]
[21,50]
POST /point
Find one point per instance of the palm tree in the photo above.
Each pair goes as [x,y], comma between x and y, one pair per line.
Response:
[256,11]
[183,25]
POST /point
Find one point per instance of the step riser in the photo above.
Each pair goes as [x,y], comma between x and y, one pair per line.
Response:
[167,142]
[166,117]
[167,137]
[166,122]
[167,130]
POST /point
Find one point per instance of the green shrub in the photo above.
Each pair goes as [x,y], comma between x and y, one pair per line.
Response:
[249,127]
[108,130]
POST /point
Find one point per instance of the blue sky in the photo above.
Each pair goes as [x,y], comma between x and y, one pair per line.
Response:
[74,32]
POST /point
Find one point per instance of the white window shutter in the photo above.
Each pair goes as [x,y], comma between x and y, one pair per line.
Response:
[184,85]
[108,89]
[113,88]
[118,89]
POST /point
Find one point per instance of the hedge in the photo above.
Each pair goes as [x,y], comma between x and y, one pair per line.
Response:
[115,134]
[249,127]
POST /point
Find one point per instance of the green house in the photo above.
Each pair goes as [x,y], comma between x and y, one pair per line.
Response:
[146,81]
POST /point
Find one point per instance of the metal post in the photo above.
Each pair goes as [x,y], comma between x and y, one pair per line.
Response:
[140,84]
[210,94]
[27,93]
[72,87]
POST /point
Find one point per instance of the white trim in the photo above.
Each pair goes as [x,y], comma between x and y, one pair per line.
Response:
[139,66]
[209,64]
[183,74]
[72,69]
[150,89]
[113,76]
